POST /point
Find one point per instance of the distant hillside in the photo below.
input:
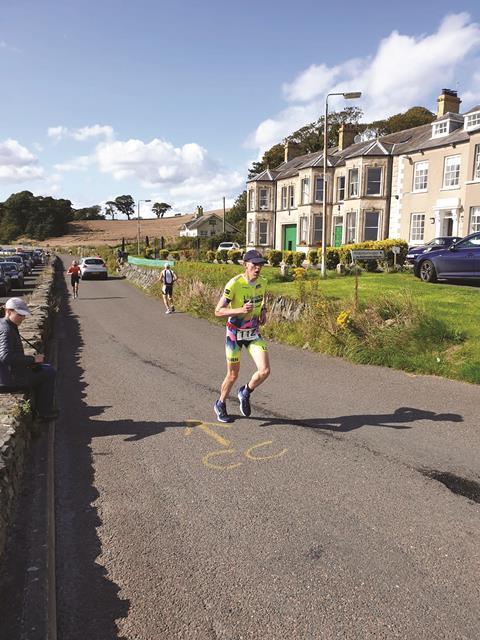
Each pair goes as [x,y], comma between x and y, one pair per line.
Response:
[111,232]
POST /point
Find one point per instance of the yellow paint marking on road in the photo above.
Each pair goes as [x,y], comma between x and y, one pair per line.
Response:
[206,428]
[212,465]
[195,423]
[250,456]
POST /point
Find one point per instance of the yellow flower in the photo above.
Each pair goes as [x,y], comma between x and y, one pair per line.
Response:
[343,319]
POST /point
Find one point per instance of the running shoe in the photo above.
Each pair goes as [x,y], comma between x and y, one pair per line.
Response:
[244,398]
[168,311]
[221,411]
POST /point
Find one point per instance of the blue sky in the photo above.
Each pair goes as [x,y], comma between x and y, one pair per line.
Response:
[172,101]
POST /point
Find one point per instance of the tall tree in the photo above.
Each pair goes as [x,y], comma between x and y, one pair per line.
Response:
[161,208]
[237,215]
[89,213]
[110,210]
[124,205]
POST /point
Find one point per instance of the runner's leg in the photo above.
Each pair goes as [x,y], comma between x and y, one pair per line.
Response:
[232,374]
[259,354]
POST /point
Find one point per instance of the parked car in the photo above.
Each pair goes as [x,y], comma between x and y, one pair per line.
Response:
[18,261]
[461,261]
[13,270]
[226,246]
[5,283]
[93,267]
[436,243]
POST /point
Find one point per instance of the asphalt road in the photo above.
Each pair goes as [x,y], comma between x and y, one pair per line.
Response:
[314,519]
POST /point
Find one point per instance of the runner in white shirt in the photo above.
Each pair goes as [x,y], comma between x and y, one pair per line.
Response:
[167,278]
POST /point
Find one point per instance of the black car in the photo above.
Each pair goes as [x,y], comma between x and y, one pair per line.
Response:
[5,283]
[13,270]
[442,242]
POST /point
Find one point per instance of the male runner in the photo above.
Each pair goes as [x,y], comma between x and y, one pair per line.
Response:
[243,304]
[167,278]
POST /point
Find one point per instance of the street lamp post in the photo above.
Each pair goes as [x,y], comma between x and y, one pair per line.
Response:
[348,96]
[138,225]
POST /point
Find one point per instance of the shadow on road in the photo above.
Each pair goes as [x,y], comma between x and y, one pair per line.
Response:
[399,419]
[88,600]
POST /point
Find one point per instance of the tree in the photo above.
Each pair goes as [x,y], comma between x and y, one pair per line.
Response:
[414,117]
[160,209]
[237,215]
[89,213]
[123,204]
[37,217]
[110,210]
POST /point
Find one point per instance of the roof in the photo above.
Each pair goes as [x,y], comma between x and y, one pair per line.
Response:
[194,223]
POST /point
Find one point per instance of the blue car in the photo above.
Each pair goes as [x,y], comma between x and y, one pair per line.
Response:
[461,261]
[436,243]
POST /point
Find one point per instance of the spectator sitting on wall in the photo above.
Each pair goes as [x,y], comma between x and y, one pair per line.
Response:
[19,371]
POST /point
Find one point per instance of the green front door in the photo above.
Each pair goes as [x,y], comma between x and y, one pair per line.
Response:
[290,237]
[338,232]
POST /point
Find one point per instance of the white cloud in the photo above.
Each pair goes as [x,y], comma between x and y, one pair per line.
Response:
[82,163]
[153,163]
[404,71]
[17,163]
[84,133]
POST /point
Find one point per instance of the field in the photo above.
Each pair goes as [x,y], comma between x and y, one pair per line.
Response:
[111,232]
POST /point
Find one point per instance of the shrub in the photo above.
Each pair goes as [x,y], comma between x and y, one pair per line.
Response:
[163,254]
[274,257]
[148,253]
[288,257]
[384,245]
[299,273]
[175,255]
[222,255]
[210,255]
[298,258]
[313,257]
[188,255]
[234,255]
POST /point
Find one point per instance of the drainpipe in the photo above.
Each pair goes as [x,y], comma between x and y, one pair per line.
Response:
[274,213]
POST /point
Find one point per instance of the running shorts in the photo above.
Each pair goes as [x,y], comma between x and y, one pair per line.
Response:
[234,347]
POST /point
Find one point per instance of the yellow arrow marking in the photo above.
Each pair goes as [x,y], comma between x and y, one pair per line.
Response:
[206,427]
[250,456]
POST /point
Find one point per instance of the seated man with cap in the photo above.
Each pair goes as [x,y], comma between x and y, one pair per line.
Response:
[19,371]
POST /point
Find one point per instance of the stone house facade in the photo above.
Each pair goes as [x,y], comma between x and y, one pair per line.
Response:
[376,187]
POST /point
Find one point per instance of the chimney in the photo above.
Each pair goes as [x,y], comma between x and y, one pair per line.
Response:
[448,102]
[291,150]
[346,134]
[199,212]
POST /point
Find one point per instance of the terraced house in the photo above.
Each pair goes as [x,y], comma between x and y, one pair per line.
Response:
[413,184]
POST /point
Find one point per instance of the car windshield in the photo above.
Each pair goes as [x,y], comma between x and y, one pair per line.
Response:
[437,241]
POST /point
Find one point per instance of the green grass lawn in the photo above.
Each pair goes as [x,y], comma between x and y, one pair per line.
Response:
[458,306]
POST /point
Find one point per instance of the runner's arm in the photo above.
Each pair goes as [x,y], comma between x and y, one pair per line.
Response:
[222,310]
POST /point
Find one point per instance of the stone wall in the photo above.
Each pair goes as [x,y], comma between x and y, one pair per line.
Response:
[280,307]
[16,427]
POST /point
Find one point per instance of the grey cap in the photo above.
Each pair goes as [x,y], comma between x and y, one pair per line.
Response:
[18,305]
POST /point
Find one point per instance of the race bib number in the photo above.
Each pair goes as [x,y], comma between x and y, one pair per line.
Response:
[247,334]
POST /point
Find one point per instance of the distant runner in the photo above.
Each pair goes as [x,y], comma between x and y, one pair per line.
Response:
[243,304]
[74,272]
[167,278]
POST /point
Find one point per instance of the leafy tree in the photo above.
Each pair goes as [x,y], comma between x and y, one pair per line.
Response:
[38,217]
[110,210]
[413,117]
[89,213]
[237,215]
[160,209]
[124,205]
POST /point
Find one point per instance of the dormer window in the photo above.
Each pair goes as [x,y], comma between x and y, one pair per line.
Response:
[472,121]
[440,129]
[450,123]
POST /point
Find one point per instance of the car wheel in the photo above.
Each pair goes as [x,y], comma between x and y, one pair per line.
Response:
[427,271]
